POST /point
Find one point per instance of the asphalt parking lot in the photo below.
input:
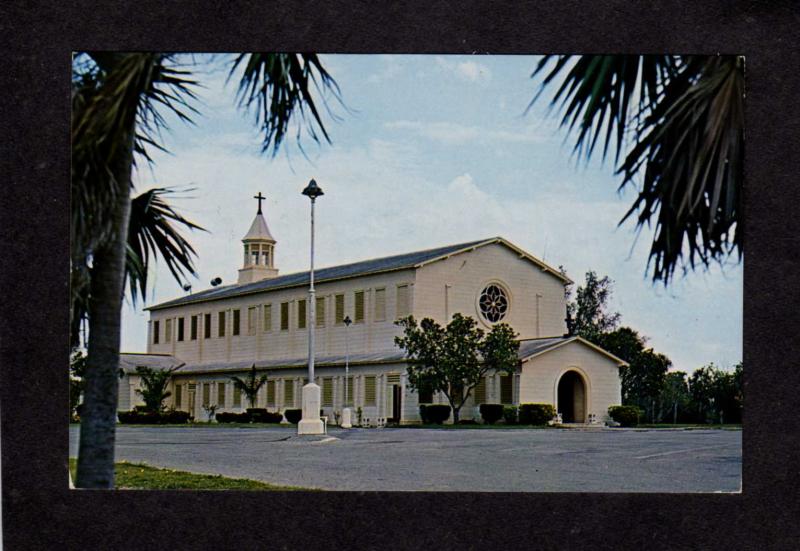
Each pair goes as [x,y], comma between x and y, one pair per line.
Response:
[408,459]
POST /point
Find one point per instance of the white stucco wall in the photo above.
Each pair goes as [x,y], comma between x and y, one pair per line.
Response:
[540,375]
[537,304]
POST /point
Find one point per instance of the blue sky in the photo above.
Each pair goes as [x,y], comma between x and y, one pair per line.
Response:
[433,150]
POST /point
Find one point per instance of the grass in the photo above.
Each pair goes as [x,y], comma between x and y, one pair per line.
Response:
[139,476]
[479,426]
[690,426]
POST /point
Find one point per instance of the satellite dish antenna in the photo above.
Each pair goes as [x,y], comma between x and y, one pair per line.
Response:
[216,281]
[187,287]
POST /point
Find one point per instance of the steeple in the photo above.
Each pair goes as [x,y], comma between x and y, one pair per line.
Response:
[259,250]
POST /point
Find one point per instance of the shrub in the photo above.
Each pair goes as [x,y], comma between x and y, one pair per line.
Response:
[423,414]
[175,417]
[510,415]
[230,417]
[627,416]
[293,415]
[491,413]
[536,414]
[437,413]
[467,422]
[138,418]
[261,415]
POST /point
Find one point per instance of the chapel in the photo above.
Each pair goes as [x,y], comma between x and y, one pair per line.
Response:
[263,319]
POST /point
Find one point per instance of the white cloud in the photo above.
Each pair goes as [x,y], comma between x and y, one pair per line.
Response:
[470,71]
[450,133]
[392,67]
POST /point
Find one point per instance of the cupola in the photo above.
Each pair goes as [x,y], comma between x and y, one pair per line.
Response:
[259,250]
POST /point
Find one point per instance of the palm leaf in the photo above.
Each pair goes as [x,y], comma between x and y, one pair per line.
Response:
[278,87]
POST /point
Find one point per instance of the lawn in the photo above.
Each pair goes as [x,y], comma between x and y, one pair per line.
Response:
[138,476]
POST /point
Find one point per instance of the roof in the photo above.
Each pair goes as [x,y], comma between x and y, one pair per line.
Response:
[258,229]
[356,269]
[129,361]
[530,348]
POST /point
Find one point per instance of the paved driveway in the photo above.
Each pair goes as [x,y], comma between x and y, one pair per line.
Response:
[515,460]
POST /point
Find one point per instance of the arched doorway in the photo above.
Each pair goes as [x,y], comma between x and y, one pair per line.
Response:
[572,398]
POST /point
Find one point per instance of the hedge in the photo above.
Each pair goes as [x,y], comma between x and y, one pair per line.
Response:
[437,413]
[491,413]
[510,415]
[261,415]
[536,414]
[140,417]
[627,416]
[293,415]
[229,417]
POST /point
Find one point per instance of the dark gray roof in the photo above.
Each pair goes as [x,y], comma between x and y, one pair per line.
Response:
[128,361]
[366,267]
[529,347]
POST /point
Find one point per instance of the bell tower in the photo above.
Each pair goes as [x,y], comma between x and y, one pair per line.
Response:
[259,250]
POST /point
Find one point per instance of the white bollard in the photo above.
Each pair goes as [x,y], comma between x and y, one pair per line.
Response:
[346,424]
[310,422]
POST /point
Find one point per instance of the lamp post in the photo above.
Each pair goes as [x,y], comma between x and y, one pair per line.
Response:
[310,423]
[346,423]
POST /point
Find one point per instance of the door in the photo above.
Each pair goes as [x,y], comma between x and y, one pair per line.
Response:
[396,398]
[191,401]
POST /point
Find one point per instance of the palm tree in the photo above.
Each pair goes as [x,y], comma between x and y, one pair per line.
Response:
[154,386]
[680,122]
[250,386]
[119,104]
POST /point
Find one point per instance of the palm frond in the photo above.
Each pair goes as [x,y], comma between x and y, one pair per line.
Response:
[278,87]
[680,122]
[152,231]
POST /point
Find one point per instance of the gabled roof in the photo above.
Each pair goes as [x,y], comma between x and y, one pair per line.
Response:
[259,229]
[356,269]
[531,348]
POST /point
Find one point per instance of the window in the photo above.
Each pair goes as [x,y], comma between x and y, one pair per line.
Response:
[207,326]
[493,303]
[237,397]
[320,313]
[168,331]
[221,324]
[339,307]
[288,393]
[402,306]
[284,316]
[206,393]
[271,393]
[236,322]
[193,328]
[506,389]
[369,390]
[327,392]
[359,307]
[480,392]
[380,305]
[425,396]
[268,317]
[251,320]
[221,395]
[301,314]
[178,396]
[180,329]
[155,332]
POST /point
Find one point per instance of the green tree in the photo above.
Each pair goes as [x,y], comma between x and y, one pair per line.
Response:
[588,315]
[120,104]
[154,383]
[453,359]
[678,122]
[250,385]
[674,398]
[717,394]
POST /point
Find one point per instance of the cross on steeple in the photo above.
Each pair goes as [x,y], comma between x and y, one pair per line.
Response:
[260,198]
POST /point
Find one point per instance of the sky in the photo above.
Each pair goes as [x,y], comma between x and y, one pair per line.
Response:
[430,150]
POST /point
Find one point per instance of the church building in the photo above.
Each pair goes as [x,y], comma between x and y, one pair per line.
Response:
[263,320]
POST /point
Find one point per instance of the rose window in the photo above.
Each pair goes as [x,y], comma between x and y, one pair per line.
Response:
[493,303]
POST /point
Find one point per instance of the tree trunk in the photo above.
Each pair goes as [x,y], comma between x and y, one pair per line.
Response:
[455,414]
[99,415]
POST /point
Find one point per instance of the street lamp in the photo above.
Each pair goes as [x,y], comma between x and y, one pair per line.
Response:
[346,424]
[310,423]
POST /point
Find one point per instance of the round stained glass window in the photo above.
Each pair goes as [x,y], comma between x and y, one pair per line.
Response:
[493,303]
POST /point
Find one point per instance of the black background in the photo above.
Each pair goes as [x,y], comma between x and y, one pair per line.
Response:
[39,512]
